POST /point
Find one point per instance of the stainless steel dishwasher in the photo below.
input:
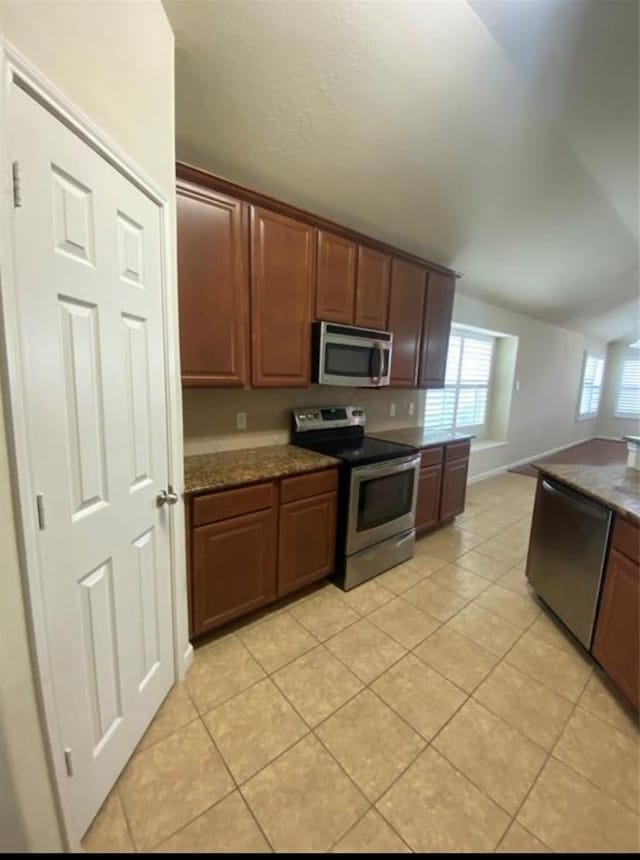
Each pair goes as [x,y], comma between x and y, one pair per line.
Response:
[567,552]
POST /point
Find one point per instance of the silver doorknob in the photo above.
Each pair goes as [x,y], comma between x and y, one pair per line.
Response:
[165,497]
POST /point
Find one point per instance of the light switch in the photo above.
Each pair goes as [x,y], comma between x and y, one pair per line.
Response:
[392,410]
[411,408]
[241,420]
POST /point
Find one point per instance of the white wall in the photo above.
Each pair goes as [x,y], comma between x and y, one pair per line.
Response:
[608,424]
[548,368]
[115,61]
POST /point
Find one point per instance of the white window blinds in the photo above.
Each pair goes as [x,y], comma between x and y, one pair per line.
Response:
[462,403]
[591,386]
[628,399]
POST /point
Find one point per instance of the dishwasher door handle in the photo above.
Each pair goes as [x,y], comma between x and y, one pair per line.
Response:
[575,500]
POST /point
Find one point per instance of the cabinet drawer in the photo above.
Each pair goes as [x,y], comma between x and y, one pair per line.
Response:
[303,486]
[457,451]
[431,457]
[626,539]
[232,503]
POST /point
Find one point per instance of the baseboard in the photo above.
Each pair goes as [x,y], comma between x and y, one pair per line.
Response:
[526,460]
[187,660]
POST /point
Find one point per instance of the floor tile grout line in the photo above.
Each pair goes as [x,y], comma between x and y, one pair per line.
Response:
[190,821]
[576,706]
[372,804]
[237,786]
[372,808]
[544,764]
[124,815]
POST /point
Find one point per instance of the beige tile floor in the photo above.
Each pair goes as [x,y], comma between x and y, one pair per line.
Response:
[437,708]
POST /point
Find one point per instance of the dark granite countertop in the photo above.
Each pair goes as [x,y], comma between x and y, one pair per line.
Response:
[615,485]
[420,437]
[205,472]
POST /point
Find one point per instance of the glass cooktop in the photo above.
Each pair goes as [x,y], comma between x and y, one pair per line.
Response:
[358,452]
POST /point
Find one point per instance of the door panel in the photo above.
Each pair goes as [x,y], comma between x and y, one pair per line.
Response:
[437,326]
[428,505]
[88,261]
[616,643]
[213,287]
[372,290]
[336,278]
[406,303]
[234,568]
[282,280]
[307,541]
[454,488]
[100,648]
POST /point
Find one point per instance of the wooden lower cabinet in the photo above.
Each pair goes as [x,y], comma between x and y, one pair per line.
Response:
[246,549]
[616,643]
[307,541]
[454,488]
[428,506]
[234,568]
[442,485]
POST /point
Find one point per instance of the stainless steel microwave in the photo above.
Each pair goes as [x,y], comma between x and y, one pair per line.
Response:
[350,355]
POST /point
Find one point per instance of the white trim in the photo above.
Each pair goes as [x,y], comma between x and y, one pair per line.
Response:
[590,416]
[16,70]
[531,459]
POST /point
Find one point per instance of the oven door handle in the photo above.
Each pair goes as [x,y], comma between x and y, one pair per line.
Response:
[388,467]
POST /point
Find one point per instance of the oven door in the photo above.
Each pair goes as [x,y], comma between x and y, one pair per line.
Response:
[348,357]
[382,501]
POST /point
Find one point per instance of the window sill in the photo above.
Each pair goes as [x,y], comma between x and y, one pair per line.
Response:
[484,444]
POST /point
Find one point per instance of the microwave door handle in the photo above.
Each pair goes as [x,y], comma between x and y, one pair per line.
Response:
[377,352]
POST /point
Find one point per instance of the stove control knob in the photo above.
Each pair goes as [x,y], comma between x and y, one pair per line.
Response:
[310,416]
[302,417]
[316,415]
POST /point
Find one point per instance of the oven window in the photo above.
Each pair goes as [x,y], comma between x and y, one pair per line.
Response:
[384,499]
[344,360]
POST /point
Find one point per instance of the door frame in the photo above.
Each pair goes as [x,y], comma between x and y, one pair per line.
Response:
[15,69]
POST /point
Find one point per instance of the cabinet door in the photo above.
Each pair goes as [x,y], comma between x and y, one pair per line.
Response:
[437,326]
[213,287]
[428,506]
[454,488]
[372,291]
[307,544]
[336,278]
[282,279]
[617,638]
[234,568]
[406,304]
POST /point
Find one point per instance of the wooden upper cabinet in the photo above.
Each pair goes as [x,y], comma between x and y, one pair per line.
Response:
[213,287]
[437,326]
[336,278]
[372,290]
[282,281]
[406,305]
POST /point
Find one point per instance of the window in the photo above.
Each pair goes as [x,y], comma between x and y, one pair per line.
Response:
[462,403]
[628,399]
[591,386]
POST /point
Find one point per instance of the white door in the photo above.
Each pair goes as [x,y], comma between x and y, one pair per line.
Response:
[88,266]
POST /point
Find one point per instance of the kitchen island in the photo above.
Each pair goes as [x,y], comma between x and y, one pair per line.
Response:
[584,561]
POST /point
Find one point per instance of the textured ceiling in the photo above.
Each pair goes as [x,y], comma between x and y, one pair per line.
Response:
[498,137]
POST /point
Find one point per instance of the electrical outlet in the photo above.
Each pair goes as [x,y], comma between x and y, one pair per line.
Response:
[411,408]
[392,410]
[241,420]
[517,385]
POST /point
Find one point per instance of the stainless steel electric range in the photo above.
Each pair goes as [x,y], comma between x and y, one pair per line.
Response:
[377,492]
